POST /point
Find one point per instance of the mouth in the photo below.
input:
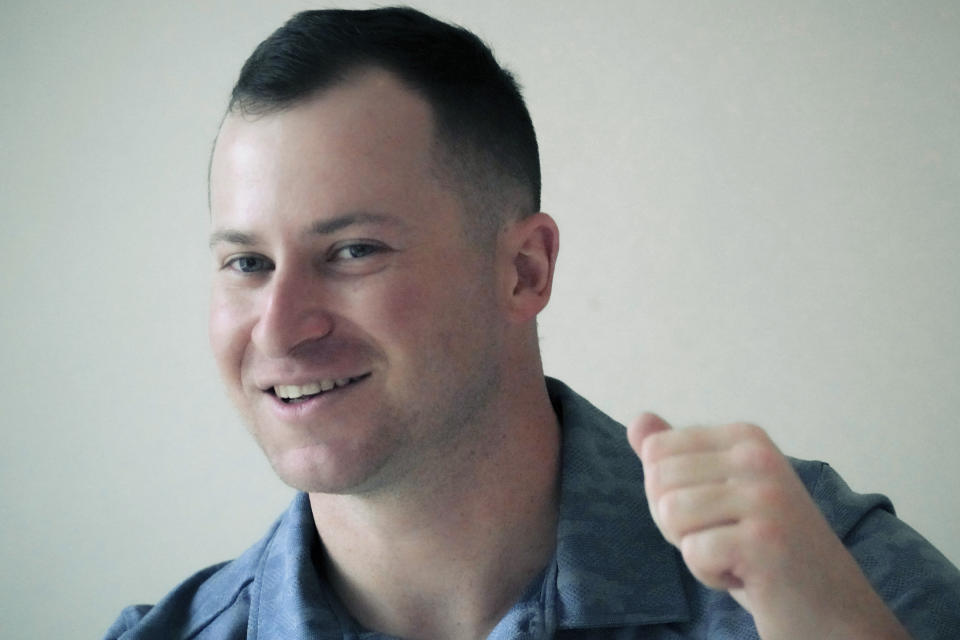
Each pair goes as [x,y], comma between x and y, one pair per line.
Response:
[297,393]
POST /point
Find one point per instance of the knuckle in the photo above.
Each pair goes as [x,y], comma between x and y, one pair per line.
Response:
[652,479]
[694,549]
[654,447]
[669,507]
[756,455]
[708,561]
[749,431]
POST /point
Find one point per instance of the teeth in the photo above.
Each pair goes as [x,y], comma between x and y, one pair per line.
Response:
[293,391]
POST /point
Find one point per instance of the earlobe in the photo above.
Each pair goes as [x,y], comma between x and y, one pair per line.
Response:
[535,242]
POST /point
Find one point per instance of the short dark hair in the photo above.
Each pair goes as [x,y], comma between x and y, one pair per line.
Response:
[487,143]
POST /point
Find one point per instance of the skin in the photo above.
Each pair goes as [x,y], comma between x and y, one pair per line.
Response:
[338,254]
[731,502]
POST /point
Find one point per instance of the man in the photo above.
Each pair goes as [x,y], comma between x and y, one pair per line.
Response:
[380,263]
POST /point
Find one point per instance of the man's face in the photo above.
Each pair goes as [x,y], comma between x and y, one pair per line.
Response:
[343,276]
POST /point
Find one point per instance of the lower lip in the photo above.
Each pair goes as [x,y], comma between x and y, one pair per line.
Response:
[294,411]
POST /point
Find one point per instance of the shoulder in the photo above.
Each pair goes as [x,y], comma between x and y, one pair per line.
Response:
[214,602]
[917,582]
[190,607]
[841,506]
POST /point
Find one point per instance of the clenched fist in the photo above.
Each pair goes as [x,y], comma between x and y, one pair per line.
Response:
[744,523]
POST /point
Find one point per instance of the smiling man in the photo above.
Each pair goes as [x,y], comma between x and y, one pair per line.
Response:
[355,319]
[380,261]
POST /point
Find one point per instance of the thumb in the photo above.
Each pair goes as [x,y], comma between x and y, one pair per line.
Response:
[646,424]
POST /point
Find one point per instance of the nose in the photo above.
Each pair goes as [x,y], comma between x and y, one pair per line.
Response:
[293,312]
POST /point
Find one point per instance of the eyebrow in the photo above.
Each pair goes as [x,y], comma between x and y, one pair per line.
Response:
[320,227]
[230,236]
[326,227]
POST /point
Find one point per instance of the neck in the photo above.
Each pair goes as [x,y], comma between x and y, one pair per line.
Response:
[449,559]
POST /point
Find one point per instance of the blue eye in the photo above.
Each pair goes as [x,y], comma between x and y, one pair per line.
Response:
[356,251]
[249,264]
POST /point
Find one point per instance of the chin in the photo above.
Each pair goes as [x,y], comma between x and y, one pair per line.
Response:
[320,472]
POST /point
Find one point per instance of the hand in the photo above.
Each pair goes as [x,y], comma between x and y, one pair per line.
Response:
[744,523]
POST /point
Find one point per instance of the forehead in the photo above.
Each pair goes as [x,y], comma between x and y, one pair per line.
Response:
[357,145]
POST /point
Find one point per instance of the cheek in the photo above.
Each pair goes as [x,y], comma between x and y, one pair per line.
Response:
[229,333]
[398,316]
[429,316]
[395,317]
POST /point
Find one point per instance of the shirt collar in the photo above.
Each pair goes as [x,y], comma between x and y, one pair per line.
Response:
[613,565]
[289,600]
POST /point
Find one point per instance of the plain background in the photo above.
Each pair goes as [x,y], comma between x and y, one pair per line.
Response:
[758,204]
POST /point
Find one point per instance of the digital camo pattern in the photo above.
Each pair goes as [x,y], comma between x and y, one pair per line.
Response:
[613,575]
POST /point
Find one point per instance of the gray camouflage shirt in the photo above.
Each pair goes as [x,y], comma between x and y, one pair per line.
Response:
[613,574]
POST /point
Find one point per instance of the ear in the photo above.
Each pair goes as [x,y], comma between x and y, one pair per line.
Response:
[532,244]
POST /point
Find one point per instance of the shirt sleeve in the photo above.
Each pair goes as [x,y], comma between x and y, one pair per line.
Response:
[916,581]
[128,619]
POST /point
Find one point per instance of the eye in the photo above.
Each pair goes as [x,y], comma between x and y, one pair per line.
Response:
[356,250]
[249,264]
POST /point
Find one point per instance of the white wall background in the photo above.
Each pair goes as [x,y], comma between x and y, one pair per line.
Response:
[760,214]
